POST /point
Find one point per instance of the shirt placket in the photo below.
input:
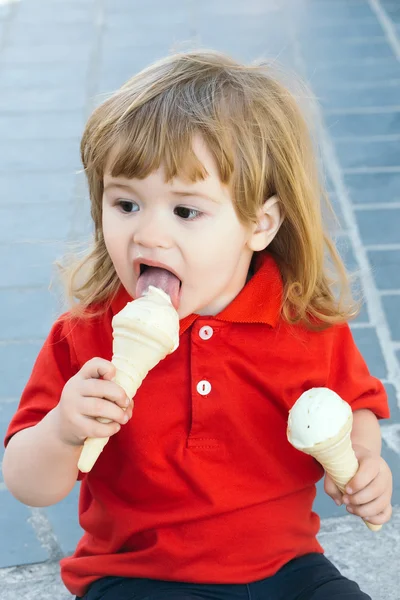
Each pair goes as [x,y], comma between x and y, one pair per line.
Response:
[203,385]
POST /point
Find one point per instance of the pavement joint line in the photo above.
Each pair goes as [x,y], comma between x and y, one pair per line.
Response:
[373,206]
[365,138]
[372,170]
[374,303]
[44,533]
[387,25]
[381,247]
[370,61]
[393,292]
[341,21]
[362,325]
[355,40]
[361,85]
[363,110]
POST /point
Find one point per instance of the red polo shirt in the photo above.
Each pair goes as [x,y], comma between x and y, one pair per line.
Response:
[202,485]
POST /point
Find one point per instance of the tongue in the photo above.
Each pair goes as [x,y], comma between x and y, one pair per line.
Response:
[160,278]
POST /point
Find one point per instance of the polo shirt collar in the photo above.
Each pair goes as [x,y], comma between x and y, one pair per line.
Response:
[260,301]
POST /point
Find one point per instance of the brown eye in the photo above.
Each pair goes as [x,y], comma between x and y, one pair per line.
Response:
[127,206]
[188,214]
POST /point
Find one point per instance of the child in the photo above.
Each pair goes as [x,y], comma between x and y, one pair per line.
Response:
[202,167]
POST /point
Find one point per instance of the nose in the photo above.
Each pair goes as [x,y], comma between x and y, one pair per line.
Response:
[152,232]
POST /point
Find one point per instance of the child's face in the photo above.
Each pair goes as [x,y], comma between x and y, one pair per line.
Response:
[190,228]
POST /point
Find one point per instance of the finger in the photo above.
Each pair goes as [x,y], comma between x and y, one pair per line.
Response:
[332,490]
[375,489]
[371,509]
[368,470]
[96,368]
[105,389]
[383,517]
[101,430]
[98,408]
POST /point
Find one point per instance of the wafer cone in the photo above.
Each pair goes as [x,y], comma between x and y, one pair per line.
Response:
[337,457]
[137,348]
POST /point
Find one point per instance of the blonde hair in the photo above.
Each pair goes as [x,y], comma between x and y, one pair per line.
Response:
[262,146]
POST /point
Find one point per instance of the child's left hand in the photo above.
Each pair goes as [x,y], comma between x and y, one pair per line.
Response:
[369,493]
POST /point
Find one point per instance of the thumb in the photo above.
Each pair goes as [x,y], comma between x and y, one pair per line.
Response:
[332,490]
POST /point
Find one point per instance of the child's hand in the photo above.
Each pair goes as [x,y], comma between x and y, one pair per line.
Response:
[85,398]
[368,494]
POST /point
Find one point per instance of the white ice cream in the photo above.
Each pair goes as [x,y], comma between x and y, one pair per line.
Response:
[318,415]
[154,309]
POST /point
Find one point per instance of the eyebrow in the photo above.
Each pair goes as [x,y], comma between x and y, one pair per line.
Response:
[181,193]
[197,193]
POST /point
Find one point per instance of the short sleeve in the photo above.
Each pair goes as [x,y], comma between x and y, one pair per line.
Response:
[52,369]
[350,378]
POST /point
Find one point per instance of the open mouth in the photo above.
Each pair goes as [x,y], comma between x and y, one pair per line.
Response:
[161,278]
[144,268]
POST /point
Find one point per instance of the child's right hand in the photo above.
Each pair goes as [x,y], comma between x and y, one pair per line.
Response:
[90,395]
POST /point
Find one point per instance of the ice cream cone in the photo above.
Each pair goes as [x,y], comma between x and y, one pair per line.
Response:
[140,340]
[337,457]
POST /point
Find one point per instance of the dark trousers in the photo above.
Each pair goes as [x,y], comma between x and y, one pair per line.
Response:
[310,577]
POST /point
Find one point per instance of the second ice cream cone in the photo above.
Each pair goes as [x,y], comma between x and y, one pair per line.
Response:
[337,457]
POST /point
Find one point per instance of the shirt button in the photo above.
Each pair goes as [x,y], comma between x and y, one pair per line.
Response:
[204,387]
[206,332]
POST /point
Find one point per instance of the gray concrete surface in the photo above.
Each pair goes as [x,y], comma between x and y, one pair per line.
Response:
[57,60]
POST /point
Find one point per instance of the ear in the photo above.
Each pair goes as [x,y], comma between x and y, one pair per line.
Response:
[269,221]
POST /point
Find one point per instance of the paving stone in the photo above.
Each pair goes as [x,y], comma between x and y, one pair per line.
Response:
[347,125]
[380,226]
[392,9]
[391,305]
[355,98]
[7,411]
[27,314]
[371,188]
[35,222]
[42,76]
[16,101]
[48,12]
[368,344]
[42,125]
[22,546]
[36,187]
[385,268]
[316,51]
[28,34]
[46,53]
[325,11]
[39,155]
[4,11]
[64,521]
[337,29]
[28,264]
[354,73]
[15,367]
[393,405]
[356,154]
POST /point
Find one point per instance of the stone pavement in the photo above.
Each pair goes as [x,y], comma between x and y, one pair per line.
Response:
[56,59]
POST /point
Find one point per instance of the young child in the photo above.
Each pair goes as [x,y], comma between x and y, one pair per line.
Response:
[202,167]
